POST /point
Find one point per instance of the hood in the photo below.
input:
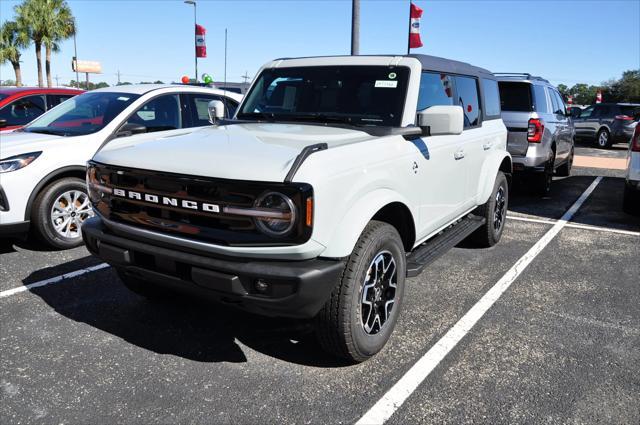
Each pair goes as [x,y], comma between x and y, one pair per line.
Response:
[19,142]
[252,151]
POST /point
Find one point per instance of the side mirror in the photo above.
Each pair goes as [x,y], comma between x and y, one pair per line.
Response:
[129,129]
[216,111]
[3,123]
[441,120]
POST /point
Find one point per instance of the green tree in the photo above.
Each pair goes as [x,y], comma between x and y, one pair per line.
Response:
[49,22]
[564,90]
[8,83]
[13,38]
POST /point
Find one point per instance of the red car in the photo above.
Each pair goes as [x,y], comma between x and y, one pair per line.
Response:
[21,105]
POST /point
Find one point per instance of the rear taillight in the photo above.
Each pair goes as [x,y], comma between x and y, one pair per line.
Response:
[624,117]
[635,140]
[535,130]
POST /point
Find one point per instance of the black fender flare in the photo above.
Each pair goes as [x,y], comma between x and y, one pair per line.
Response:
[48,179]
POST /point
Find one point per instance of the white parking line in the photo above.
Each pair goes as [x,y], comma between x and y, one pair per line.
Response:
[56,279]
[576,225]
[396,396]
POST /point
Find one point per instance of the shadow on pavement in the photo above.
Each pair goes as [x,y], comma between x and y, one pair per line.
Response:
[183,326]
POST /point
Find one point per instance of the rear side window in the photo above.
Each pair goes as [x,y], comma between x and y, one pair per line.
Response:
[630,111]
[515,96]
[467,97]
[435,89]
[491,98]
[558,105]
[541,105]
[200,108]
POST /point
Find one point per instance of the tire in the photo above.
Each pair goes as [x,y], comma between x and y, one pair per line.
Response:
[494,211]
[631,201]
[59,211]
[565,169]
[542,181]
[143,288]
[603,139]
[349,326]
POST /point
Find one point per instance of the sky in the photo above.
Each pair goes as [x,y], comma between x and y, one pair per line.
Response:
[146,40]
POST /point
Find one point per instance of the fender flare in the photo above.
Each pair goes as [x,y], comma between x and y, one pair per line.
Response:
[490,168]
[45,181]
[359,214]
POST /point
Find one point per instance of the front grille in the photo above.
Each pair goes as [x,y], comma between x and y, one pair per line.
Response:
[219,228]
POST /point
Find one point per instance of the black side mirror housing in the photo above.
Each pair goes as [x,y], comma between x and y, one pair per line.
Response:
[129,129]
[3,123]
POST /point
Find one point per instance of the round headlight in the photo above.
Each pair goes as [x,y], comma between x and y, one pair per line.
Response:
[278,214]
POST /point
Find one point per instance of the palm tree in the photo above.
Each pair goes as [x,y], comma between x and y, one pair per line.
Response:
[50,21]
[13,38]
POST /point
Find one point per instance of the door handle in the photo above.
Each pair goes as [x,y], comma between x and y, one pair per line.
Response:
[487,146]
[458,154]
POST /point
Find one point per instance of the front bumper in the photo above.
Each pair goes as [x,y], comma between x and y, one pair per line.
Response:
[295,288]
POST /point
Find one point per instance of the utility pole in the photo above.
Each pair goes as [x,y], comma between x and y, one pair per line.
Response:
[245,77]
[195,22]
[57,80]
[225,57]
[118,74]
[355,27]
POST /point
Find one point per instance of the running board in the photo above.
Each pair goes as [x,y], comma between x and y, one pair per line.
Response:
[432,249]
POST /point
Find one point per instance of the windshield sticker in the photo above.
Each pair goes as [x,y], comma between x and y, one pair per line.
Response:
[386,84]
[392,75]
[122,98]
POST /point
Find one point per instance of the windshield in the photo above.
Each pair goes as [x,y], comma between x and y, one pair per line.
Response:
[83,114]
[355,95]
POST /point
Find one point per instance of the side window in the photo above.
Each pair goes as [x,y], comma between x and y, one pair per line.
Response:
[159,114]
[603,111]
[435,89]
[22,111]
[467,97]
[587,113]
[562,110]
[491,98]
[540,94]
[199,104]
[556,102]
[54,100]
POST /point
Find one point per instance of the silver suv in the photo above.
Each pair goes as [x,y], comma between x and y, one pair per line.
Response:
[541,131]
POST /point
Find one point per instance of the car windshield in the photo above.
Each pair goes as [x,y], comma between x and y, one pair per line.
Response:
[83,114]
[352,95]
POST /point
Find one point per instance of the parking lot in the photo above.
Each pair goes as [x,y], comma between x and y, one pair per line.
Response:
[560,343]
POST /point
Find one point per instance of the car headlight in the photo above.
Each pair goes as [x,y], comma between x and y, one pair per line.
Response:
[17,162]
[278,214]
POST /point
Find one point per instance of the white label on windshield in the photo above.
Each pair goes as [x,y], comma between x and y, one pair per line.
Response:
[122,98]
[386,84]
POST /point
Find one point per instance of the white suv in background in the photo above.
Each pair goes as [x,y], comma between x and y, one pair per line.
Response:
[42,166]
[631,202]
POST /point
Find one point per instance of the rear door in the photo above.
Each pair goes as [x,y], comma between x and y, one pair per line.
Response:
[516,100]
[581,123]
[562,131]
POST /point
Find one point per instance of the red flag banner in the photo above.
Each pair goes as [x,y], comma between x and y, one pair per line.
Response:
[201,46]
[414,27]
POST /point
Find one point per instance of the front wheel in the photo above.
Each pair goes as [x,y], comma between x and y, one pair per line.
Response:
[358,319]
[59,211]
[494,211]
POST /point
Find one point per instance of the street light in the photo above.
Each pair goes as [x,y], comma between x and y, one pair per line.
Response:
[195,22]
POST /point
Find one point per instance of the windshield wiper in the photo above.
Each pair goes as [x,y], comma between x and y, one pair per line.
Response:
[268,116]
[316,117]
[48,131]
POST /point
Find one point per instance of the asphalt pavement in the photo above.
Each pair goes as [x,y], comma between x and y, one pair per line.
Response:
[560,345]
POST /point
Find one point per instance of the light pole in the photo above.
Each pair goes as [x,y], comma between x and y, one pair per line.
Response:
[355,27]
[195,22]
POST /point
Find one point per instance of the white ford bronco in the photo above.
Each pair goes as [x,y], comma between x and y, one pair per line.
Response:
[337,178]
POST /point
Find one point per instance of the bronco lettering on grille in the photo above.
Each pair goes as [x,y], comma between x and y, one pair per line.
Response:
[165,200]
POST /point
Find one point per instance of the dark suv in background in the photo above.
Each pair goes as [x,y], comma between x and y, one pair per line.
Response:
[606,123]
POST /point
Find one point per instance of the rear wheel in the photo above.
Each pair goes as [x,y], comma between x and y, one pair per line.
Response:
[542,181]
[495,213]
[565,169]
[358,319]
[603,139]
[59,211]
